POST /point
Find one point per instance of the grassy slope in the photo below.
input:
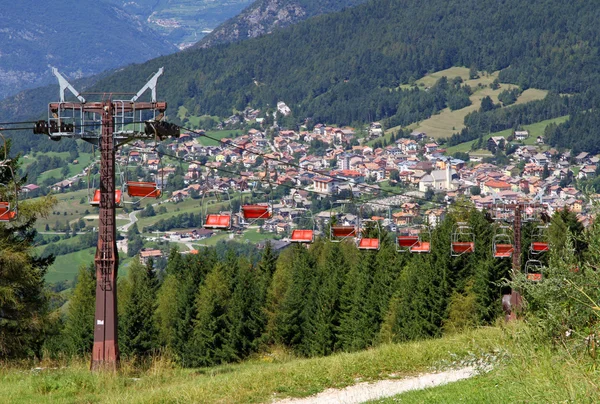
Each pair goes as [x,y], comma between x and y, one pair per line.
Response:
[447,122]
[523,370]
[259,380]
[535,130]
[535,375]
[66,266]
[217,135]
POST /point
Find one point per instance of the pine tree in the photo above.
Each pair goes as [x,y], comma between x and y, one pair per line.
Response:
[139,333]
[245,313]
[289,316]
[167,309]
[322,309]
[276,293]
[190,274]
[358,323]
[79,324]
[23,303]
[210,343]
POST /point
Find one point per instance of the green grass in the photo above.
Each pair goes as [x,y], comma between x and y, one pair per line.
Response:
[254,236]
[69,203]
[533,374]
[84,160]
[66,266]
[524,369]
[262,379]
[535,130]
[447,122]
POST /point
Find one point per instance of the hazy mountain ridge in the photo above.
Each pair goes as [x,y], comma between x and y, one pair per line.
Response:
[263,16]
[79,37]
[183,22]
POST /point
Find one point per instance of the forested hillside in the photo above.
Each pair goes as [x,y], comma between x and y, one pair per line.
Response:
[342,67]
[347,67]
[263,16]
[209,309]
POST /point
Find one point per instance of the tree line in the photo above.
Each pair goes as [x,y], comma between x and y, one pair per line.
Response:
[327,298]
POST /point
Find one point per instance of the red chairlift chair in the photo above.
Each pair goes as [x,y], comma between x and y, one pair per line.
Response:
[257,211]
[6,214]
[539,243]
[143,189]
[533,270]
[221,220]
[95,201]
[414,239]
[368,243]
[303,235]
[462,240]
[340,232]
[502,243]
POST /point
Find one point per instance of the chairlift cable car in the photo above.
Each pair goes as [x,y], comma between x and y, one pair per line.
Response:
[94,193]
[340,232]
[367,243]
[462,240]
[304,234]
[533,270]
[258,211]
[146,189]
[221,220]
[539,241]
[502,243]
[414,239]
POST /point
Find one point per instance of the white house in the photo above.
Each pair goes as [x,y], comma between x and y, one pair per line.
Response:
[439,180]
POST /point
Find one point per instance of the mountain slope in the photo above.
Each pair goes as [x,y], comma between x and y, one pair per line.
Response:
[342,67]
[80,37]
[183,22]
[264,16]
[339,67]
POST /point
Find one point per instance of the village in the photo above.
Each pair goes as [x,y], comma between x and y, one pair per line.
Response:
[404,175]
[302,175]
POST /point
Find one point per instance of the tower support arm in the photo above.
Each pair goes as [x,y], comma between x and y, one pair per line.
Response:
[64,84]
[151,84]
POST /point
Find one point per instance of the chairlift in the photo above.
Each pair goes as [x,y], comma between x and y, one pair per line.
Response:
[221,220]
[539,241]
[414,239]
[533,270]
[500,212]
[368,243]
[502,243]
[144,189]
[94,199]
[340,232]
[304,234]
[462,240]
[258,211]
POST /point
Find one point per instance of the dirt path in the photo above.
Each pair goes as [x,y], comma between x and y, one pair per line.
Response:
[362,392]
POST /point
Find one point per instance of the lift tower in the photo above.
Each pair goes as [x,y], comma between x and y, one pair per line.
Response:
[516,212]
[107,124]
